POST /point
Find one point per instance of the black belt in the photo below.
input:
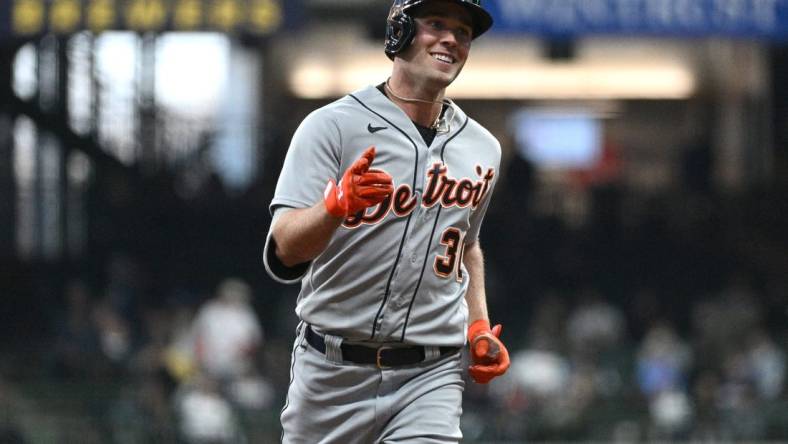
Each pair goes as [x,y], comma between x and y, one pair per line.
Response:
[381,356]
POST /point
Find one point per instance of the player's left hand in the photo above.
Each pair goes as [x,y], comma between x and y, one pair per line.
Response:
[489,356]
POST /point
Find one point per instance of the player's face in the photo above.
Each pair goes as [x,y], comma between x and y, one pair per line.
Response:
[442,42]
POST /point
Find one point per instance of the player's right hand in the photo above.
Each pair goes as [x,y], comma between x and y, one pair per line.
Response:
[360,187]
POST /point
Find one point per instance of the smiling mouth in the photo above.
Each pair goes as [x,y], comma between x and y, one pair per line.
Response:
[444,58]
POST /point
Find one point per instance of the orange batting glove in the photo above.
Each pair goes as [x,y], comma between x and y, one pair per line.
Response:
[360,187]
[489,356]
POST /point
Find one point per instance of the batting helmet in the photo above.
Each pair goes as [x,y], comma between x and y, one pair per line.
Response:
[400,27]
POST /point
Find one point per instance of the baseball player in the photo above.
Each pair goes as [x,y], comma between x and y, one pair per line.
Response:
[377,213]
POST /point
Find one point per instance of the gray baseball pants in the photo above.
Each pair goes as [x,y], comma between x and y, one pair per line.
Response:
[331,401]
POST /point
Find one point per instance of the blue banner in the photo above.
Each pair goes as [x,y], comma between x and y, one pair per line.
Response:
[767,19]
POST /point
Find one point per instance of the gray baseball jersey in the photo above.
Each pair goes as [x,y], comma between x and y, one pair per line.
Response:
[394,272]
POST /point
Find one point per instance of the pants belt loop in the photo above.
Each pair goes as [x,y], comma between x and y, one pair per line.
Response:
[333,348]
[431,352]
[301,333]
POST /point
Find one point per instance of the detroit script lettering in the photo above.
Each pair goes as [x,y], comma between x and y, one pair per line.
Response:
[441,188]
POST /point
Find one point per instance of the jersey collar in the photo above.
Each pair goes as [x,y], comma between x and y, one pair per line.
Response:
[389,110]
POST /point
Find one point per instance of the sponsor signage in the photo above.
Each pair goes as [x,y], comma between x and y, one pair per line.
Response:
[766,19]
[27,18]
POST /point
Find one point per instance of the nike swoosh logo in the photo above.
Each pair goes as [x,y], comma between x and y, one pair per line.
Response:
[374,129]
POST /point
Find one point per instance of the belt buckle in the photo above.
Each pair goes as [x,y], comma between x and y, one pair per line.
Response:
[378,356]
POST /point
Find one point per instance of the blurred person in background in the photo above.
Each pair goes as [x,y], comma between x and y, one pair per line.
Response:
[767,365]
[114,334]
[227,339]
[179,352]
[736,304]
[662,369]
[204,416]
[77,346]
[227,333]
[663,361]
[594,326]
[535,395]
[124,293]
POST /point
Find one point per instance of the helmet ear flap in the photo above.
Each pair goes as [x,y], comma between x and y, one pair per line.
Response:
[400,29]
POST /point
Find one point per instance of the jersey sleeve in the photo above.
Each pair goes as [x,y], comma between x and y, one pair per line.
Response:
[275,268]
[313,157]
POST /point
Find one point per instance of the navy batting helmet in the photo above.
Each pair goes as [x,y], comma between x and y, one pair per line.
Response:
[400,27]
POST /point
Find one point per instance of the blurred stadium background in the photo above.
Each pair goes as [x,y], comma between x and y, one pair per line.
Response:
[636,245]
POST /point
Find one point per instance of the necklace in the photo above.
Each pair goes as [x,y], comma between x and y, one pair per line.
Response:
[442,124]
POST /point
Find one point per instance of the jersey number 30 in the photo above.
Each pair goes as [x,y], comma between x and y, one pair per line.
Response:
[451,262]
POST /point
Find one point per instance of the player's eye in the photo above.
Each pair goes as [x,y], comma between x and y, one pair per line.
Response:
[437,25]
[463,33]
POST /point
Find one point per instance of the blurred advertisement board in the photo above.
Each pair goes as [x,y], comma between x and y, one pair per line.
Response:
[680,18]
[27,18]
